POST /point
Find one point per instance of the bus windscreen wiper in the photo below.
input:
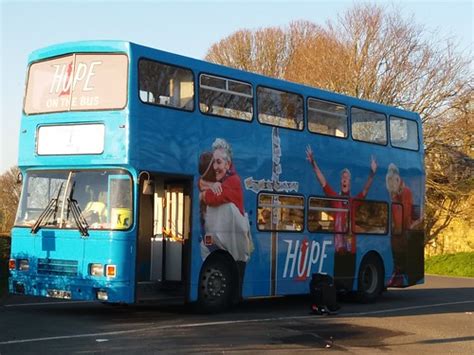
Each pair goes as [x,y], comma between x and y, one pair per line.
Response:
[75,210]
[50,210]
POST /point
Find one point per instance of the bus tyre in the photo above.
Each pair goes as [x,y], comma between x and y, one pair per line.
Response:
[215,286]
[370,279]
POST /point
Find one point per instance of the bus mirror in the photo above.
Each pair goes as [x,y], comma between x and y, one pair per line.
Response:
[19,178]
[148,187]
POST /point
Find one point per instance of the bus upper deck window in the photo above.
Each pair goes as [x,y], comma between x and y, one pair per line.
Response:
[166,85]
[280,108]
[369,126]
[403,133]
[327,118]
[225,97]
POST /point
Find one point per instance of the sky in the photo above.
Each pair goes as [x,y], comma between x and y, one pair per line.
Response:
[184,27]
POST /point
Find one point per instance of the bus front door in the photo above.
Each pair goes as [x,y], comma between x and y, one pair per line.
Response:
[172,215]
[164,239]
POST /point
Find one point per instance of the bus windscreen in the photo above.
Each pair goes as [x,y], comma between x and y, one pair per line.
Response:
[77,82]
[103,198]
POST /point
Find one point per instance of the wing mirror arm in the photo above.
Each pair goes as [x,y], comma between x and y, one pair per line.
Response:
[148,183]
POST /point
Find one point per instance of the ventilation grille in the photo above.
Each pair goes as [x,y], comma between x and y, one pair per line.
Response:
[57,267]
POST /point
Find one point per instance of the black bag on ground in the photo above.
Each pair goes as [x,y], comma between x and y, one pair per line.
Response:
[323,294]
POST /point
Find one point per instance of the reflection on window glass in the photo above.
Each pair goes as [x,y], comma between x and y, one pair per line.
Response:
[403,133]
[328,118]
[103,197]
[41,190]
[213,82]
[280,108]
[328,215]
[77,82]
[371,217]
[225,97]
[240,87]
[280,212]
[166,85]
[369,126]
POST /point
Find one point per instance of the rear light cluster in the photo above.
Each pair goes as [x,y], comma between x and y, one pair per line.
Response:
[20,264]
[99,270]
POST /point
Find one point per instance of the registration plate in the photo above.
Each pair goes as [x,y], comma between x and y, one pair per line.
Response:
[66,295]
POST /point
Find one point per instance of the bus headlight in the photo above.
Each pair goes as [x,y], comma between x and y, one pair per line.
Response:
[102,295]
[23,264]
[96,269]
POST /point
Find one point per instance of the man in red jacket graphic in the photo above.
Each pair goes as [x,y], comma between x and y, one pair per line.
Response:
[344,237]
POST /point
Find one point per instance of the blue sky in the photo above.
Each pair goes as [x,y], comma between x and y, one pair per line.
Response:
[185,27]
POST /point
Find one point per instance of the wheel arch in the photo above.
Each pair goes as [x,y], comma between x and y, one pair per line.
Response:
[370,258]
[370,254]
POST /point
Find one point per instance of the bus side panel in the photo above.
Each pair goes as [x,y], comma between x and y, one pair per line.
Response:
[257,279]
[299,256]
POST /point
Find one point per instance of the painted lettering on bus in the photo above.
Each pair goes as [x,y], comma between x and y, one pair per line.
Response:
[302,255]
[63,79]
[61,102]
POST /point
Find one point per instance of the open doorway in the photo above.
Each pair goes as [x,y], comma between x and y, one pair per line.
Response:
[164,238]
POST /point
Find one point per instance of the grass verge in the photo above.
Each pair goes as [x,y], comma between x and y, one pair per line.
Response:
[459,264]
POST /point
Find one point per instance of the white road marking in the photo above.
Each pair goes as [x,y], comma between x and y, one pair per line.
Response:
[206,324]
[405,308]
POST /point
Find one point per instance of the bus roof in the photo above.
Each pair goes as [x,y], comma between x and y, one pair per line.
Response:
[212,68]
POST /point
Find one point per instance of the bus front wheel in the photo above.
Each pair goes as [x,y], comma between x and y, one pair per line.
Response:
[371,279]
[215,285]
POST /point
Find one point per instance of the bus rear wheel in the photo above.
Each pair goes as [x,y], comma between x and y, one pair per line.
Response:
[215,286]
[370,279]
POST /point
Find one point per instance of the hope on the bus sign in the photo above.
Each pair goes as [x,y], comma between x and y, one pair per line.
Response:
[77,82]
[64,79]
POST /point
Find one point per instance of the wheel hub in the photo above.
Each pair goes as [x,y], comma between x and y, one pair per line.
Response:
[216,284]
[369,278]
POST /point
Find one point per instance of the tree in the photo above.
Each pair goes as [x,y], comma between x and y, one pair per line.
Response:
[264,51]
[10,191]
[450,166]
[371,52]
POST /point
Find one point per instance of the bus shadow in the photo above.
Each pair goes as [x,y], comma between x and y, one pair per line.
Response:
[394,303]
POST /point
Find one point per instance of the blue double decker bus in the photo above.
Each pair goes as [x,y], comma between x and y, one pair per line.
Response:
[150,176]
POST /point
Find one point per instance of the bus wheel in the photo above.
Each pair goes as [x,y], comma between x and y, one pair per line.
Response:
[215,285]
[370,280]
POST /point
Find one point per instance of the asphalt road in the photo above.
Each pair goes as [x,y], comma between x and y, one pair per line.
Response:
[437,317]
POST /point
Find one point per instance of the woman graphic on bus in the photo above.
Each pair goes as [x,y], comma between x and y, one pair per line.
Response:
[344,238]
[226,225]
[402,223]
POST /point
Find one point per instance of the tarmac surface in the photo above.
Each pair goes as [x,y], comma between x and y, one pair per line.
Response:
[435,318]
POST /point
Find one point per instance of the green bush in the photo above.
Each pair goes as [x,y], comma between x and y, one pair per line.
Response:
[460,264]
